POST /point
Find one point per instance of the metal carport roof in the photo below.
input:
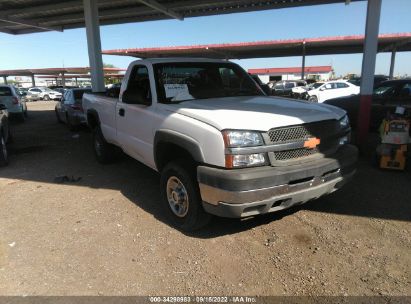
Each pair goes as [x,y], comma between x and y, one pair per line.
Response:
[28,16]
[273,48]
[54,71]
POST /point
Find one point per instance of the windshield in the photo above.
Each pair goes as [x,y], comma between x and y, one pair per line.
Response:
[383,90]
[177,82]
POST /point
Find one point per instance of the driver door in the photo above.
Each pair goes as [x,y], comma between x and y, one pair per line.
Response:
[134,120]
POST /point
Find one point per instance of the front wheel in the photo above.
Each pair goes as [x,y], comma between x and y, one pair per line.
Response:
[313,99]
[46,97]
[105,152]
[4,158]
[181,196]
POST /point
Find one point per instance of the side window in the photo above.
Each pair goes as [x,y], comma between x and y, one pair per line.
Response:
[67,98]
[5,91]
[139,83]
[329,86]
[289,85]
[342,85]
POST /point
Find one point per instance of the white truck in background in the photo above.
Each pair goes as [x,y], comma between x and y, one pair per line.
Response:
[221,146]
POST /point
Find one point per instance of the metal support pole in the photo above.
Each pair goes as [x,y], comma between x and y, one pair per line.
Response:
[303,63]
[94,45]
[5,79]
[33,81]
[63,80]
[56,80]
[392,64]
[76,81]
[368,68]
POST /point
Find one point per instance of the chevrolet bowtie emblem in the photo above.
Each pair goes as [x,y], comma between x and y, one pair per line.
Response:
[311,143]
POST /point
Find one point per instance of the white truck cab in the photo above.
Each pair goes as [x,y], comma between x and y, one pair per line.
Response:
[221,145]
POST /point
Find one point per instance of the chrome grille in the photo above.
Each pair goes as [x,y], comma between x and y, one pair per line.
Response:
[325,130]
[289,134]
[293,154]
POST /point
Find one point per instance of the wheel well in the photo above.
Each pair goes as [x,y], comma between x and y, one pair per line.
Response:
[92,120]
[167,152]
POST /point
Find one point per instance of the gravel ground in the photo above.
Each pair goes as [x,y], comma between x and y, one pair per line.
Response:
[107,234]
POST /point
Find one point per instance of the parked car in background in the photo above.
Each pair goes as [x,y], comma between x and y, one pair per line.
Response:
[301,92]
[263,86]
[4,135]
[45,93]
[377,80]
[70,109]
[332,89]
[386,97]
[284,87]
[16,105]
[61,90]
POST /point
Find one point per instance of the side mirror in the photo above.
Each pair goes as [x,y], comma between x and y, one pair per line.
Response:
[132,96]
[322,89]
[2,107]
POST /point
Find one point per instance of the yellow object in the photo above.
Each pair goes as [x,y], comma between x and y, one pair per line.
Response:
[395,131]
[396,159]
[394,140]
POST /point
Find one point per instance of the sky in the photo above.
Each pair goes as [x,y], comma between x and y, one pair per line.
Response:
[69,48]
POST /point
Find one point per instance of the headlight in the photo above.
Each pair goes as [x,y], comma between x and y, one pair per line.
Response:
[236,139]
[243,139]
[344,122]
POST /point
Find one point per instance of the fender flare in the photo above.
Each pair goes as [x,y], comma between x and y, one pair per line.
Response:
[180,140]
[94,113]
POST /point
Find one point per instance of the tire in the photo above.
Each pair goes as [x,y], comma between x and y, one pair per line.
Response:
[104,152]
[46,97]
[313,99]
[70,125]
[178,182]
[58,117]
[22,117]
[4,157]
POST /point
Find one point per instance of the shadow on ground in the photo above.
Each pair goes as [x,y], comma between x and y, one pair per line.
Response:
[43,149]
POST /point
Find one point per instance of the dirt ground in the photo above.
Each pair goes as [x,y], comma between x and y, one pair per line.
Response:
[107,233]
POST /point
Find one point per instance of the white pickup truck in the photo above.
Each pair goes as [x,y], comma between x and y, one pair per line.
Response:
[221,145]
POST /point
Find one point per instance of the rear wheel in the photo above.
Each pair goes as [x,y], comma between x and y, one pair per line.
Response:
[105,152]
[58,117]
[4,158]
[22,117]
[70,125]
[313,99]
[181,196]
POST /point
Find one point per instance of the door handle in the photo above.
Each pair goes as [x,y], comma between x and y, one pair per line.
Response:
[121,112]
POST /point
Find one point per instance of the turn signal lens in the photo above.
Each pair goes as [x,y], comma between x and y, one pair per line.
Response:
[241,161]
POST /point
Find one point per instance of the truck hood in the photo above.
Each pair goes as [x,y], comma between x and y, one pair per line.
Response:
[259,113]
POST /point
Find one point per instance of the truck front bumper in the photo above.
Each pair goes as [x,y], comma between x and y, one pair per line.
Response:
[252,191]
